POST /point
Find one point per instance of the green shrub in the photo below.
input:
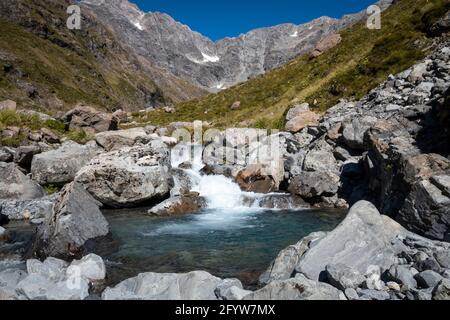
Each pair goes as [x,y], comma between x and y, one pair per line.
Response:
[79,136]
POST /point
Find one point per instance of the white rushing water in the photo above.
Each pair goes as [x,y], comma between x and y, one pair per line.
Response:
[228,207]
[220,192]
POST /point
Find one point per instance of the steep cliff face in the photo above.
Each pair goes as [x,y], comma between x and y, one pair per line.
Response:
[213,65]
[47,66]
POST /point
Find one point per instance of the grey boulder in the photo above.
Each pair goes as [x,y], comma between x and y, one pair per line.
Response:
[361,240]
[15,185]
[60,166]
[129,176]
[75,221]
[197,285]
[298,288]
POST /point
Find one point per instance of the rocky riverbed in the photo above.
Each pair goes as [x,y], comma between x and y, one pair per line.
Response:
[386,157]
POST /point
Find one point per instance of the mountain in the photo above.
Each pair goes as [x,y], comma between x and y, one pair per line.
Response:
[174,47]
[362,60]
[49,67]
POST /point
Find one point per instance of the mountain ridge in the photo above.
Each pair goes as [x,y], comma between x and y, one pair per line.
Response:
[214,65]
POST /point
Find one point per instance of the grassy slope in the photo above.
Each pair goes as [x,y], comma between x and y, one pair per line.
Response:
[80,66]
[363,60]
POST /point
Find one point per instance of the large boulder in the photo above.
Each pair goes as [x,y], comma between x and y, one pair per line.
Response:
[112,140]
[9,279]
[353,131]
[8,105]
[256,178]
[90,120]
[197,285]
[302,120]
[427,208]
[179,205]
[129,176]
[15,185]
[361,240]
[34,210]
[55,279]
[310,185]
[298,288]
[283,267]
[76,222]
[60,166]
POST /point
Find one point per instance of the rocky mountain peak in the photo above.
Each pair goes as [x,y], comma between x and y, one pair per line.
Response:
[214,66]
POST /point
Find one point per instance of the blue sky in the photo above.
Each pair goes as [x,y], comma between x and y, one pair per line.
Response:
[221,18]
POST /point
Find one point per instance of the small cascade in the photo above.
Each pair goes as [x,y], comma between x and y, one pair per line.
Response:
[219,191]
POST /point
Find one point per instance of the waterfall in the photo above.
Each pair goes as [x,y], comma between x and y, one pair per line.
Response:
[219,191]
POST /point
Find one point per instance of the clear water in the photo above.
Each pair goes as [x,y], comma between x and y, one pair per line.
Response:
[225,242]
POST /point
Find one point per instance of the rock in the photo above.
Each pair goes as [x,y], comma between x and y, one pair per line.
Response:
[353,131]
[49,136]
[169,109]
[32,113]
[5,155]
[320,161]
[179,205]
[428,279]
[255,178]
[343,277]
[296,111]
[441,26]
[120,116]
[443,183]
[394,286]
[60,166]
[236,105]
[15,185]
[113,140]
[23,155]
[367,294]
[373,278]
[302,120]
[237,138]
[351,294]
[182,183]
[361,240]
[90,120]
[51,269]
[27,209]
[75,223]
[298,288]
[402,275]
[230,289]
[197,285]
[9,280]
[442,291]
[326,44]
[283,267]
[314,184]
[282,201]
[427,211]
[37,287]
[8,105]
[443,258]
[129,176]
[417,72]
[90,267]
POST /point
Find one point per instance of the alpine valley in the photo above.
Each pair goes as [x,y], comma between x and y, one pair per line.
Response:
[140,160]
